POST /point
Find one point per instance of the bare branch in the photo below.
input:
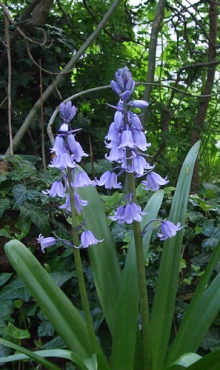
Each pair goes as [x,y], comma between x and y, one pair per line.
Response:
[59,79]
[152,54]
[52,118]
[7,40]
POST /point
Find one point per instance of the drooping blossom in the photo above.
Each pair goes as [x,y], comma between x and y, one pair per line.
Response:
[57,189]
[67,111]
[109,181]
[126,138]
[46,242]
[67,154]
[50,242]
[168,229]
[128,213]
[62,161]
[87,239]
[81,179]
[153,181]
[78,202]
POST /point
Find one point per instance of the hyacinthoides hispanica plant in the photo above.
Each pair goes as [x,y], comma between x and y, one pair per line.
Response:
[123,294]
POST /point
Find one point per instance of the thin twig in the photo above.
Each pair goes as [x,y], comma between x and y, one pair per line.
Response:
[42,121]
[52,118]
[7,40]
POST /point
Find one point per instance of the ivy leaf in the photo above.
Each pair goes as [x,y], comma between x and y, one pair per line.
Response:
[4,204]
[4,277]
[17,333]
[5,232]
[36,215]
[23,224]
[45,329]
[7,308]
[2,177]
[195,216]
[56,342]
[21,194]
[61,277]
[15,289]
[208,227]
[211,340]
[214,238]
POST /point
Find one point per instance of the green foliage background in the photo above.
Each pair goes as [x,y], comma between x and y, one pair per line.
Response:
[182,41]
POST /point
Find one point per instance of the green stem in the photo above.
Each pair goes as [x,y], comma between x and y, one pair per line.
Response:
[79,270]
[142,286]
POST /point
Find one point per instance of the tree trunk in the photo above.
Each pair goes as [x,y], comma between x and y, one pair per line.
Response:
[152,56]
[207,90]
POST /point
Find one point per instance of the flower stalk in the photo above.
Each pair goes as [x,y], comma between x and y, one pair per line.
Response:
[142,286]
[79,269]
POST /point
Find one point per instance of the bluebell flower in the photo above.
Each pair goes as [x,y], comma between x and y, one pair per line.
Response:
[62,161]
[168,230]
[139,164]
[113,133]
[139,104]
[87,239]
[51,241]
[67,111]
[67,204]
[59,145]
[127,139]
[139,139]
[116,88]
[128,213]
[71,141]
[135,121]
[153,181]
[109,180]
[81,179]
[116,154]
[46,242]
[126,95]
[64,127]
[79,203]
[118,119]
[57,189]
[75,148]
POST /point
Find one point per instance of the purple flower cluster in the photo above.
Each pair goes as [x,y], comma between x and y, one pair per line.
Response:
[68,154]
[126,138]
[127,143]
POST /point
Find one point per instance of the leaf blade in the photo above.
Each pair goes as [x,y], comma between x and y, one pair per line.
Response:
[53,302]
[163,309]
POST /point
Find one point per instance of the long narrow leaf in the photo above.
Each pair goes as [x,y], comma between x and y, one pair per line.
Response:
[103,256]
[208,362]
[192,330]
[165,295]
[125,334]
[95,362]
[184,361]
[33,355]
[203,317]
[62,314]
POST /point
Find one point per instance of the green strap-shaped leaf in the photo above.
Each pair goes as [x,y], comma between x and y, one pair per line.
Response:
[165,295]
[64,317]
[200,314]
[208,362]
[27,354]
[103,256]
[125,354]
[184,361]
[95,362]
